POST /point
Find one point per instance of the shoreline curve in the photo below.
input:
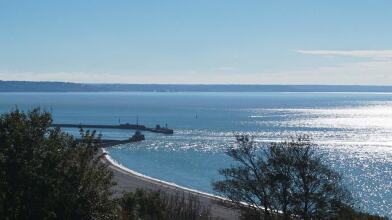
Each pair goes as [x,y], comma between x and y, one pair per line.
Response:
[129,180]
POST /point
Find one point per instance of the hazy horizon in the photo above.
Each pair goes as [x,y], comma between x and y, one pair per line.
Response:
[191,83]
[29,86]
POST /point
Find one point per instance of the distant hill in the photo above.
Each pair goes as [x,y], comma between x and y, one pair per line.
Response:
[26,86]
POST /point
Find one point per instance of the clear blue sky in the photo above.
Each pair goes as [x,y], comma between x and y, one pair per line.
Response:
[198,41]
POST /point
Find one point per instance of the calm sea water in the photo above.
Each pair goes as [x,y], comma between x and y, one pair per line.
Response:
[354,131]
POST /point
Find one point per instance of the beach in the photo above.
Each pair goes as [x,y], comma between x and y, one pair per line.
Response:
[128,181]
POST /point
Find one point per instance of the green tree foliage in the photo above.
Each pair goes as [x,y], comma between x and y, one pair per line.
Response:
[47,174]
[283,180]
[155,205]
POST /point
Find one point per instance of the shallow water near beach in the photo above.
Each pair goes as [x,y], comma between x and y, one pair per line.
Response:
[353,130]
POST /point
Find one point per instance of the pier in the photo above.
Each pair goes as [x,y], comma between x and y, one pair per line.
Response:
[110,143]
[138,136]
[127,126]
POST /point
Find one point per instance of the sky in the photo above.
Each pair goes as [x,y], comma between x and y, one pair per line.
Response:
[197,41]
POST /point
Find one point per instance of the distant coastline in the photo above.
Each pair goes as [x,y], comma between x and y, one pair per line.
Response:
[30,86]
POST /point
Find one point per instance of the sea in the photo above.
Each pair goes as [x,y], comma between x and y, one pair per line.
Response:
[352,130]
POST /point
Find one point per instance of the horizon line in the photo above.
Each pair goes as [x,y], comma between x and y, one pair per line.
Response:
[193,84]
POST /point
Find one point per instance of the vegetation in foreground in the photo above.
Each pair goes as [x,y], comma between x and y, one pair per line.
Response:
[284,180]
[47,174]
[156,205]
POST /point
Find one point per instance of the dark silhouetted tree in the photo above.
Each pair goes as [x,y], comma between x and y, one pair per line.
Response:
[47,174]
[282,180]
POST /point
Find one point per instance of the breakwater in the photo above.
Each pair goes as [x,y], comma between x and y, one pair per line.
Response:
[127,126]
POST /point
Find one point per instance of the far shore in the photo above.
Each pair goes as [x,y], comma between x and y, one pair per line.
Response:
[129,180]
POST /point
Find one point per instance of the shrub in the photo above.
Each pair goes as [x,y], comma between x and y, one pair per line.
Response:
[47,174]
[149,205]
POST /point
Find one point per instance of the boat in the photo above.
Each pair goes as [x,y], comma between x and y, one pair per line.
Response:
[138,136]
[159,129]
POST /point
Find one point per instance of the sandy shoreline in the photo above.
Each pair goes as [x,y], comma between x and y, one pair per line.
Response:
[129,180]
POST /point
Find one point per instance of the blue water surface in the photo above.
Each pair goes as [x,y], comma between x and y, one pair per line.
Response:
[354,131]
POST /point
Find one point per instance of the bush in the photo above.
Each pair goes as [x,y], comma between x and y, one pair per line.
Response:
[150,205]
[47,174]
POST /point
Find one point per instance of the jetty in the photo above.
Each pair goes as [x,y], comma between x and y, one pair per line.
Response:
[127,126]
[105,143]
[138,136]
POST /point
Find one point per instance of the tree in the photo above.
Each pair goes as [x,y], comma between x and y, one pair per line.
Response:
[47,174]
[282,180]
